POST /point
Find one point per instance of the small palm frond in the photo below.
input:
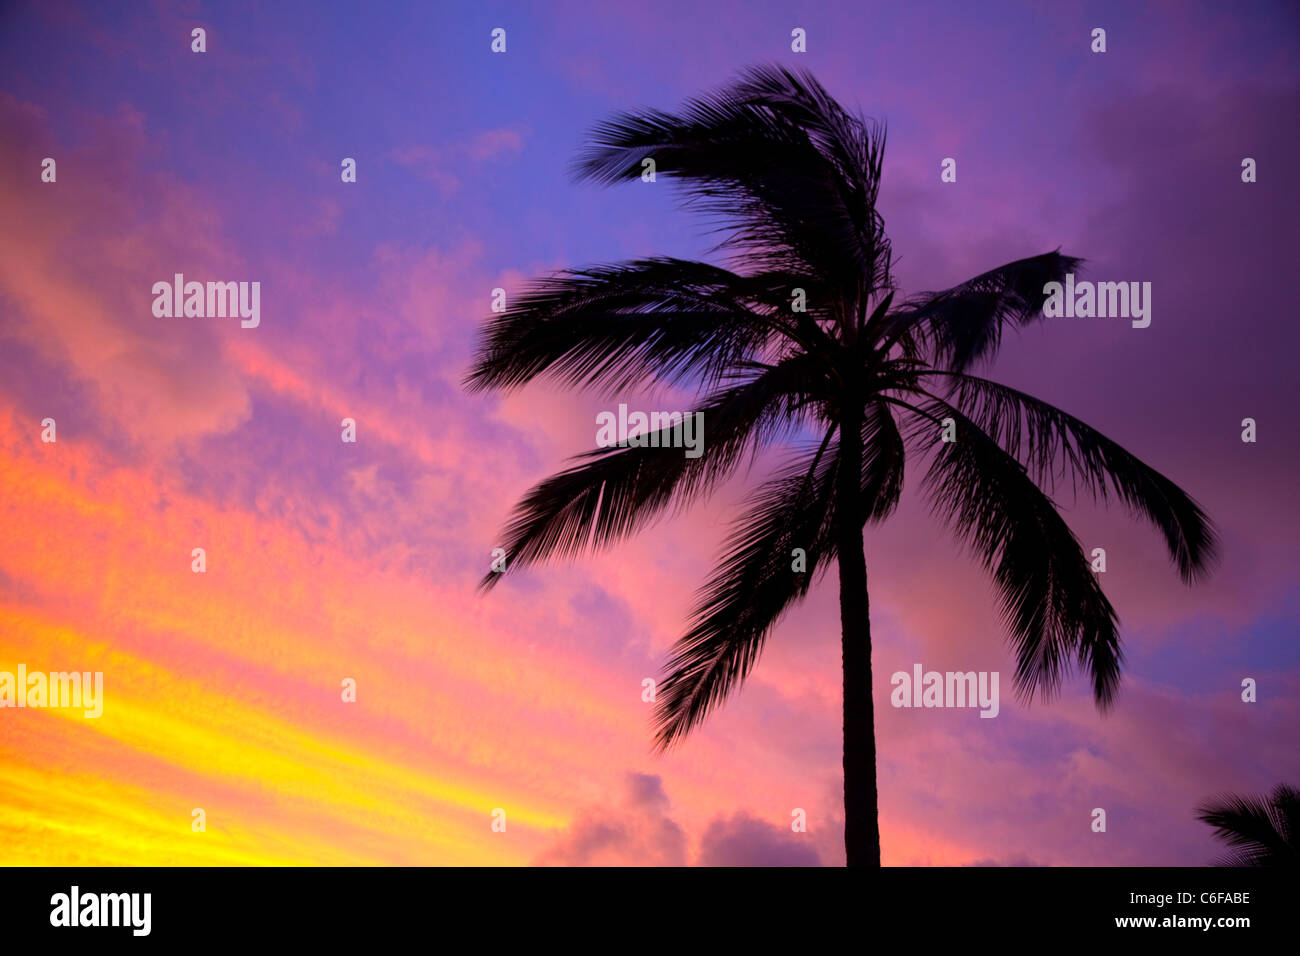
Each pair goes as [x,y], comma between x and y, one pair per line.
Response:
[1260,831]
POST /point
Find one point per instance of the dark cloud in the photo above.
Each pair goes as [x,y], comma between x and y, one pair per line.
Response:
[743,840]
[637,831]
[634,832]
[1009,861]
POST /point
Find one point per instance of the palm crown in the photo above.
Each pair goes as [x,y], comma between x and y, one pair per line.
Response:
[791,179]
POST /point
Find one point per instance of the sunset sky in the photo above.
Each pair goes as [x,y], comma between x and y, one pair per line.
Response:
[328,561]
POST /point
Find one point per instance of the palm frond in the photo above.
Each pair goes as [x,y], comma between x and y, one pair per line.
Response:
[884,455]
[788,174]
[1052,603]
[754,584]
[751,588]
[1053,444]
[618,326]
[614,491]
[964,324]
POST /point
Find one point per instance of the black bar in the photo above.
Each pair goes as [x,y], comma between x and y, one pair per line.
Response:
[979,906]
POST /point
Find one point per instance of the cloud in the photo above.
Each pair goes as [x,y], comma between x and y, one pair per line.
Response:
[744,840]
[635,833]
[1010,861]
[639,832]
[493,143]
[434,163]
[79,270]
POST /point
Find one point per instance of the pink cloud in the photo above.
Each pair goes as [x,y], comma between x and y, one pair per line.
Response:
[433,163]
[81,280]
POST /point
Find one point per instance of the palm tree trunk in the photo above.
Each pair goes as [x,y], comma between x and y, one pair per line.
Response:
[861,818]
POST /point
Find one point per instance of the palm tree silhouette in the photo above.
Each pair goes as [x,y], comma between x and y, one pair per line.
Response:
[1260,830]
[791,178]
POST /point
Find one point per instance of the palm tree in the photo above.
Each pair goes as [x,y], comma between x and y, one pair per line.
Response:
[1260,830]
[798,341]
